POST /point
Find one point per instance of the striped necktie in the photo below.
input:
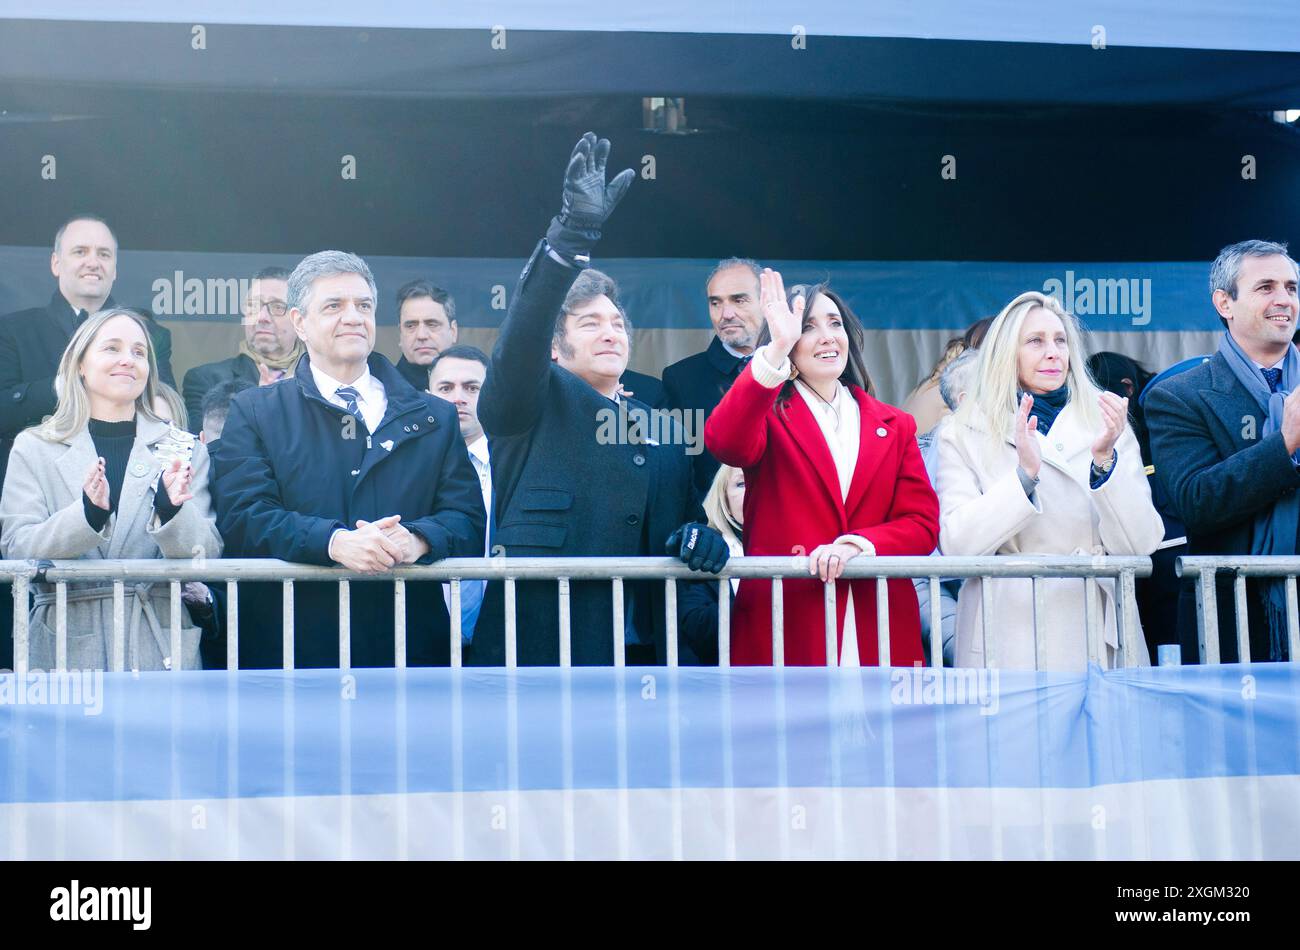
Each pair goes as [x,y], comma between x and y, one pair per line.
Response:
[349,397]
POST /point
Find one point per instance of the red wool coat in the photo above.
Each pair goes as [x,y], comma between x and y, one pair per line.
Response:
[793,504]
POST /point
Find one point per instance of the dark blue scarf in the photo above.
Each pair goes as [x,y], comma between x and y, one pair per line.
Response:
[1274,531]
[1047,406]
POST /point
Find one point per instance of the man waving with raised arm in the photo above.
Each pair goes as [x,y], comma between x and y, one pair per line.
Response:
[576,467]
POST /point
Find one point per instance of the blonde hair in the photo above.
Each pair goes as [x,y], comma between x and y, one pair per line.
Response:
[992,401]
[180,416]
[715,507]
[73,412]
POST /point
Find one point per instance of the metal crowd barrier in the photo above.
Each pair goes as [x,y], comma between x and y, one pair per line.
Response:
[1204,569]
[566,569]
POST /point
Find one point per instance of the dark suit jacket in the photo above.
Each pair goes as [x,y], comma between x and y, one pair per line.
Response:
[643,388]
[415,374]
[284,484]
[559,489]
[201,380]
[1220,473]
[698,383]
[31,344]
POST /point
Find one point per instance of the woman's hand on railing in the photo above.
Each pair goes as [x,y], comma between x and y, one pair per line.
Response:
[1028,451]
[827,561]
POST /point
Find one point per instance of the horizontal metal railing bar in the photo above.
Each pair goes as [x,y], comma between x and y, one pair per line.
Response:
[1248,565]
[574,568]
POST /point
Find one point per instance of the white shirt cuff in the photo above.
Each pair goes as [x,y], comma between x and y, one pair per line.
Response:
[858,541]
[329,548]
[767,375]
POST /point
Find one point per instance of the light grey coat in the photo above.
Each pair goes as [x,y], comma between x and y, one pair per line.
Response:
[41,516]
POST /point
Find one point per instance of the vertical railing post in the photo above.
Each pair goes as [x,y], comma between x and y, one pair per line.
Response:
[724,622]
[778,621]
[936,622]
[566,631]
[512,643]
[286,621]
[61,625]
[1241,617]
[620,626]
[22,642]
[345,625]
[457,635]
[670,620]
[832,634]
[883,656]
[232,625]
[1207,616]
[177,659]
[399,624]
[1128,612]
[119,627]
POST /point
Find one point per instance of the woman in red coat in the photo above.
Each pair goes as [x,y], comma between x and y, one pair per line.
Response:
[829,471]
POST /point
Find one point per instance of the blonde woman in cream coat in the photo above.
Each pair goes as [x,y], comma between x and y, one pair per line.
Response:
[1039,460]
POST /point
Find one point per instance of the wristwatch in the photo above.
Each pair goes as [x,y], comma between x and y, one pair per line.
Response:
[1110,463]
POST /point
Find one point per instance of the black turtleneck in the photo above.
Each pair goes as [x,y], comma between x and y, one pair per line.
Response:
[114,442]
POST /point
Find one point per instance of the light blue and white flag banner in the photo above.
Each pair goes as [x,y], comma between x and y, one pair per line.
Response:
[1164,763]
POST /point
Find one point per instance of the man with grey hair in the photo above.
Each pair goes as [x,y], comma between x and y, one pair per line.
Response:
[697,383]
[565,482]
[1225,440]
[345,464]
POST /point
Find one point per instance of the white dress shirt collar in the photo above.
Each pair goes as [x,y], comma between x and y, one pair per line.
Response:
[372,398]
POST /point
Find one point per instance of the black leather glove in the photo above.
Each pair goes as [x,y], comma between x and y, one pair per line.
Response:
[587,200]
[700,547]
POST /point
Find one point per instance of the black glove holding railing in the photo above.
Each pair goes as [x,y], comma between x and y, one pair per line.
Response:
[700,547]
[588,200]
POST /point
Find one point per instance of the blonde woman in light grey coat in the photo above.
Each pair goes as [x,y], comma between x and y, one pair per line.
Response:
[106,478]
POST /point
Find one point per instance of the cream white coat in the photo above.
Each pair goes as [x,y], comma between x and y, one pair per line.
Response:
[984,510]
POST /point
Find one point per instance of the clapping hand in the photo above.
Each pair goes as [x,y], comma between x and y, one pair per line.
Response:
[1028,451]
[1114,417]
[96,485]
[176,479]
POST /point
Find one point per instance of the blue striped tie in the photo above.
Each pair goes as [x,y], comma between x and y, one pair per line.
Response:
[349,397]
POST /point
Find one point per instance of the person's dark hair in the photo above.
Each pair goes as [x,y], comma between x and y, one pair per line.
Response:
[425,288]
[273,273]
[1109,370]
[974,335]
[216,403]
[855,369]
[461,351]
[590,284]
[58,235]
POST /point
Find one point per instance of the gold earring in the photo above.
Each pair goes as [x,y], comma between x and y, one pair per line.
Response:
[794,371]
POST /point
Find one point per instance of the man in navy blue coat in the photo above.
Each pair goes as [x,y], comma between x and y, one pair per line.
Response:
[1228,463]
[344,464]
[572,473]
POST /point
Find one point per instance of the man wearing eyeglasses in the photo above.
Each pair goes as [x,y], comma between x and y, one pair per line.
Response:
[268,352]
